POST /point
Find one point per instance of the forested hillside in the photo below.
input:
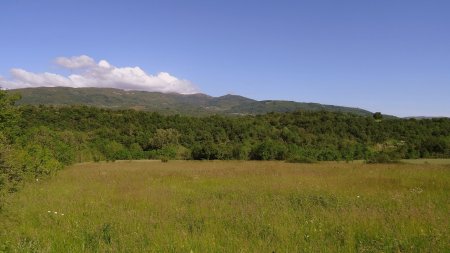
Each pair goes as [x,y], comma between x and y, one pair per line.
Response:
[166,103]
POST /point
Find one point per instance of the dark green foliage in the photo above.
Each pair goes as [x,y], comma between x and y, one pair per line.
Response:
[205,151]
[269,150]
[299,136]
[10,176]
[377,116]
[9,114]
[4,169]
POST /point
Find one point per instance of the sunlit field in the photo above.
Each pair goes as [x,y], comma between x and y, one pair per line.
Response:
[230,206]
[427,161]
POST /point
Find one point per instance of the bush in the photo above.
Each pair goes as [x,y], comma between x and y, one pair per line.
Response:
[168,152]
[382,157]
[207,151]
[299,159]
[269,150]
[36,161]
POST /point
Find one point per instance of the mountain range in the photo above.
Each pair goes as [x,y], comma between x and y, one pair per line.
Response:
[167,103]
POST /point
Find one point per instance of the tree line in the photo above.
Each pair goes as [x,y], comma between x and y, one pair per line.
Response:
[36,141]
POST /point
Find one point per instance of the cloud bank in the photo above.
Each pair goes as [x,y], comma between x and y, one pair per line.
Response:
[88,73]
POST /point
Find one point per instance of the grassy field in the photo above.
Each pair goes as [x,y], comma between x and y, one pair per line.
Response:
[427,161]
[184,206]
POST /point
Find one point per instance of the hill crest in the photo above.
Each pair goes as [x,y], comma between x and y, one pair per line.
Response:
[167,103]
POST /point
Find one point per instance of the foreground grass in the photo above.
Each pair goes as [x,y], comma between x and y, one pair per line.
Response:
[232,207]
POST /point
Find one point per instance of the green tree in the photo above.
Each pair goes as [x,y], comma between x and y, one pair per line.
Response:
[377,116]
[9,115]
[164,137]
[269,150]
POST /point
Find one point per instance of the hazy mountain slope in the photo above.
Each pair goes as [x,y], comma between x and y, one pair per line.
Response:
[260,107]
[166,102]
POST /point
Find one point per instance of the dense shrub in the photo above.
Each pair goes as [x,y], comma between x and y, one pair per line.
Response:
[269,150]
[299,159]
[382,157]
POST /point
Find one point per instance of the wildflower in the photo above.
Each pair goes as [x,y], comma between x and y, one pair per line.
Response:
[56,212]
[417,190]
[357,196]
[62,214]
[49,211]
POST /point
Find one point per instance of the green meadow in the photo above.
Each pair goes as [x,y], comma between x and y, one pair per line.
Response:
[232,206]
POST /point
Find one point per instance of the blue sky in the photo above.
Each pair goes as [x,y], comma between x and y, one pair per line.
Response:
[385,55]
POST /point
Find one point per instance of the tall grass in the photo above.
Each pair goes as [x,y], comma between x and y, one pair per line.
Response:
[232,207]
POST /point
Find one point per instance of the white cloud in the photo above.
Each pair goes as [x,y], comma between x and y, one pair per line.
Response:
[75,62]
[88,73]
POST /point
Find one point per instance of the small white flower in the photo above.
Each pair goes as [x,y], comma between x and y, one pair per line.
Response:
[417,190]
[357,196]
[62,214]
[56,212]
[49,211]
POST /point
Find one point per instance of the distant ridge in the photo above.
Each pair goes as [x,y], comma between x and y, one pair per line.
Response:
[425,117]
[167,103]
